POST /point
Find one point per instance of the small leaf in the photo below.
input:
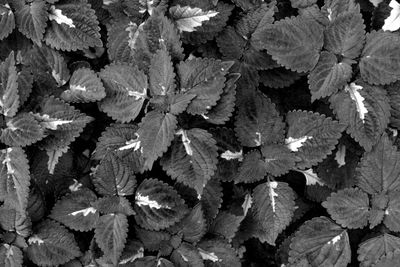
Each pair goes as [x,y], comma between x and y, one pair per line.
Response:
[218,253]
[10,256]
[161,74]
[226,225]
[311,177]
[192,227]
[9,102]
[253,168]
[7,20]
[211,199]
[187,18]
[278,159]
[187,255]
[392,212]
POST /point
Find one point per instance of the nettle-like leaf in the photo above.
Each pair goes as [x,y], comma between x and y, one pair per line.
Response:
[120,36]
[10,255]
[187,254]
[365,109]
[206,79]
[192,158]
[302,3]
[211,199]
[111,233]
[31,20]
[9,103]
[161,74]
[278,159]
[380,59]
[278,77]
[51,245]
[216,252]
[113,204]
[293,42]
[328,76]
[84,86]
[273,206]
[392,212]
[126,90]
[258,122]
[349,207]
[14,177]
[373,249]
[113,177]
[252,169]
[378,170]
[226,225]
[73,26]
[76,211]
[311,136]
[22,130]
[158,205]
[321,242]
[188,18]
[7,21]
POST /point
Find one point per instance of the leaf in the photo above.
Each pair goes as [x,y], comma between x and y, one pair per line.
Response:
[348,207]
[112,177]
[392,259]
[133,250]
[293,42]
[218,253]
[302,3]
[151,240]
[111,233]
[225,225]
[318,136]
[392,212]
[156,132]
[73,26]
[187,18]
[76,211]
[161,74]
[328,76]
[113,204]
[380,58]
[252,169]
[373,249]
[126,91]
[31,20]
[321,241]
[187,255]
[119,34]
[9,102]
[205,78]
[392,22]
[278,77]
[10,256]
[179,102]
[193,160]
[22,130]
[211,199]
[84,86]
[258,122]
[274,206]
[158,205]
[345,35]
[14,178]
[7,21]
[278,159]
[52,245]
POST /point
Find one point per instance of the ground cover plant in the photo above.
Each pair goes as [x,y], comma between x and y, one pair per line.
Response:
[199,133]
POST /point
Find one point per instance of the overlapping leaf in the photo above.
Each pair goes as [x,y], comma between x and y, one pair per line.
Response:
[373,249]
[216,252]
[119,34]
[161,74]
[10,256]
[193,226]
[187,254]
[9,103]
[211,199]
[7,20]
[188,18]
[252,169]
[31,20]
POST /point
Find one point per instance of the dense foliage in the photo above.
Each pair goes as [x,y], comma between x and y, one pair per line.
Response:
[199,133]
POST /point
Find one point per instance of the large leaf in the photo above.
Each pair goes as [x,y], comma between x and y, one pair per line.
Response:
[31,20]
[14,178]
[161,74]
[365,109]
[9,103]
[126,90]
[258,122]
[206,79]
[158,205]
[321,242]
[51,245]
[192,158]
[73,26]
[7,20]
[252,169]
[373,249]
[156,132]
[311,136]
[10,256]
[349,207]
[380,59]
[328,76]
[187,18]
[293,42]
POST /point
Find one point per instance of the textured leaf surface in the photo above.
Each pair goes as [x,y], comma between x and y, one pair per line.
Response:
[113,204]
[252,169]
[392,212]
[380,59]
[278,159]
[52,244]
[318,135]
[187,254]
[192,158]
[31,20]
[371,250]
[322,242]
[226,225]
[293,42]
[328,76]
[302,3]
[9,87]
[211,199]
[188,18]
[274,206]
[158,205]
[278,77]
[161,73]
[10,256]
[349,207]
[218,253]
[84,86]
[7,21]
[392,22]
[193,227]
[111,233]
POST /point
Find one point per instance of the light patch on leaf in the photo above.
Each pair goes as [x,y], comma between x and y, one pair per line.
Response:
[57,77]
[11,126]
[229,155]
[341,155]
[146,5]
[185,141]
[335,239]
[84,212]
[295,143]
[133,143]
[138,95]
[204,116]
[272,194]
[145,201]
[7,161]
[75,186]
[56,14]
[355,95]
[188,18]
[138,255]
[109,2]
[375,2]
[35,240]
[50,123]
[205,255]
[248,201]
[258,139]
[77,87]
[392,23]
[134,32]
[329,14]
[9,252]
[311,177]
[387,212]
